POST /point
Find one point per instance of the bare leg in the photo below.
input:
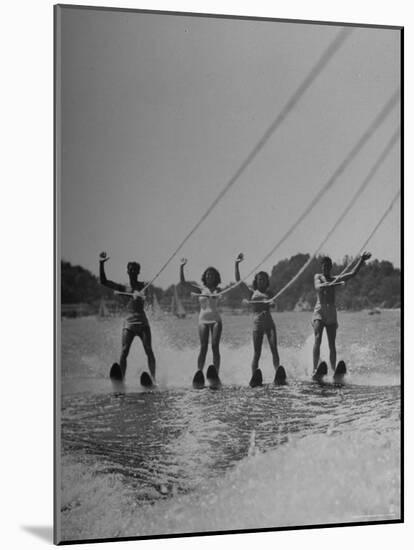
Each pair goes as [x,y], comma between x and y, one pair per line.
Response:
[318,330]
[127,337]
[257,347]
[215,343]
[147,343]
[203,331]
[331,333]
[272,339]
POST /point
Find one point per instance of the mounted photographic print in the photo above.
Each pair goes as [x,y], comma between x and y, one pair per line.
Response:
[228,274]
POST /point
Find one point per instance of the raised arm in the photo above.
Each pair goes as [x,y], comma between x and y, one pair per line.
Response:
[239,259]
[246,290]
[102,275]
[319,283]
[182,264]
[196,288]
[346,276]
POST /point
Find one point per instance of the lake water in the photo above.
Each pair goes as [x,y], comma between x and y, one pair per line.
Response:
[178,460]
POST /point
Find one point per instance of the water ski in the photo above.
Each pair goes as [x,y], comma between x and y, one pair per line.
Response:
[320,372]
[280,376]
[116,372]
[256,379]
[146,380]
[213,377]
[198,380]
[340,372]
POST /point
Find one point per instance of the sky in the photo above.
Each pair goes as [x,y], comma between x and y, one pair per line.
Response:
[157,112]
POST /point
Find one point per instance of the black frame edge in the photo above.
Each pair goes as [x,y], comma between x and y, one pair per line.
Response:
[56,260]
[227,16]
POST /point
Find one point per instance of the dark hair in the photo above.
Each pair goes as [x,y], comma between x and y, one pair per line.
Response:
[326,260]
[263,273]
[216,274]
[135,265]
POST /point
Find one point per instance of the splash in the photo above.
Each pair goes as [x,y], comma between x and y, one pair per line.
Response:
[90,347]
[321,478]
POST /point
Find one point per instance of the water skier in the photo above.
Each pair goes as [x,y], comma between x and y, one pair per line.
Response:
[263,323]
[209,319]
[136,323]
[324,314]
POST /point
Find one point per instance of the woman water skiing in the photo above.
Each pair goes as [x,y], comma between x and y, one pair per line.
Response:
[136,322]
[209,319]
[324,314]
[263,324]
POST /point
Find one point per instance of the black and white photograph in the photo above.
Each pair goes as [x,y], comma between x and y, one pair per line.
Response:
[228,231]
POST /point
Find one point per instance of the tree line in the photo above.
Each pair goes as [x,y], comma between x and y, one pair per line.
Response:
[378,284]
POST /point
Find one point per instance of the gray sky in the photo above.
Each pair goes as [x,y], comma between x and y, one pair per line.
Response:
[159,111]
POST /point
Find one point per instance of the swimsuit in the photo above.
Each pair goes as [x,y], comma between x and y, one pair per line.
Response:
[209,313]
[262,318]
[325,309]
[136,319]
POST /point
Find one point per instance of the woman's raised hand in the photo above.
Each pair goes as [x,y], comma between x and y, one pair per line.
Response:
[103,257]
